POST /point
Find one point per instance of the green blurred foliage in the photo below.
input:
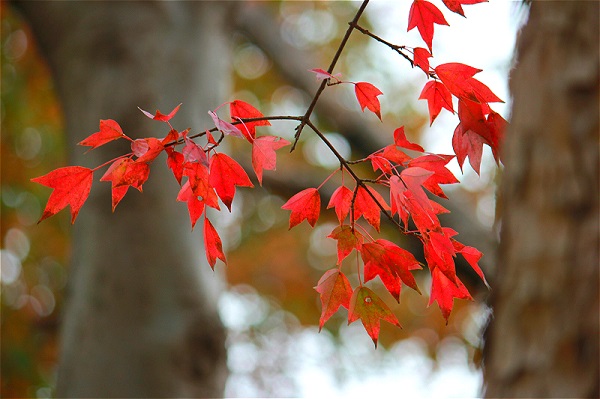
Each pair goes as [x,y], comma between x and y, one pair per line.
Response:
[33,256]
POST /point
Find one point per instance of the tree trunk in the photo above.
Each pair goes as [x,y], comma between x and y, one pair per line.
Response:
[141,318]
[543,338]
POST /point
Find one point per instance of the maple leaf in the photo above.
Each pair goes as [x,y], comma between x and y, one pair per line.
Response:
[263,154]
[212,244]
[439,253]
[379,162]
[126,172]
[194,205]
[413,179]
[322,74]
[109,131]
[147,149]
[347,240]
[456,5]
[421,58]
[384,258]
[71,184]
[438,96]
[172,136]
[341,199]
[304,205]
[226,127]
[441,175]
[366,94]
[468,143]
[472,256]
[496,125]
[423,15]
[242,110]
[365,205]
[370,309]
[199,183]
[393,154]
[401,141]
[458,79]
[443,290]
[175,163]
[471,116]
[192,152]
[335,291]
[159,116]
[115,174]
[225,173]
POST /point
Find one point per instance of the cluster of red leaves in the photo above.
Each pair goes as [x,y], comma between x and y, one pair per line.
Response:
[213,176]
[479,124]
[407,178]
[210,175]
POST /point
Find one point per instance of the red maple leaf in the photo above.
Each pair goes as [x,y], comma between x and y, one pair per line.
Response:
[263,154]
[379,162]
[114,174]
[199,183]
[459,80]
[441,175]
[71,184]
[386,259]
[109,131]
[127,172]
[322,74]
[393,154]
[438,96]
[347,240]
[225,173]
[472,256]
[370,309]
[194,205]
[401,141]
[226,127]
[423,15]
[335,291]
[304,205]
[468,143]
[443,290]
[366,206]
[496,125]
[421,59]
[192,152]
[242,110]
[175,163]
[456,5]
[159,116]
[212,244]
[366,94]
[413,179]
[341,199]
[147,149]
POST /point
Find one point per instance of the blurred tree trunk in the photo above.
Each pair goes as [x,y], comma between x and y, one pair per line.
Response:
[141,318]
[543,339]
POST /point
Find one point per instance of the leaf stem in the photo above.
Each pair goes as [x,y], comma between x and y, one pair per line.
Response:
[113,160]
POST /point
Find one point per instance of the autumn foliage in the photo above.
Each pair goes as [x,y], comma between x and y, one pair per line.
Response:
[405,177]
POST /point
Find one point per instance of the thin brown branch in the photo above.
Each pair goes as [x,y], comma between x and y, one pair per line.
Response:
[334,61]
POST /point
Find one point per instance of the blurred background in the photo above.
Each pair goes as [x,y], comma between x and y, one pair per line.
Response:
[269,306]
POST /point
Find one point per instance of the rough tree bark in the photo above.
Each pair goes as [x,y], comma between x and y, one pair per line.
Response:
[141,317]
[543,339]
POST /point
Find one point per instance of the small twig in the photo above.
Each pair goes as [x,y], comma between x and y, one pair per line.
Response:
[313,103]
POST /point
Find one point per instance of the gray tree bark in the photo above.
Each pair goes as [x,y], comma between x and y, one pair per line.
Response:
[141,318]
[543,339]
